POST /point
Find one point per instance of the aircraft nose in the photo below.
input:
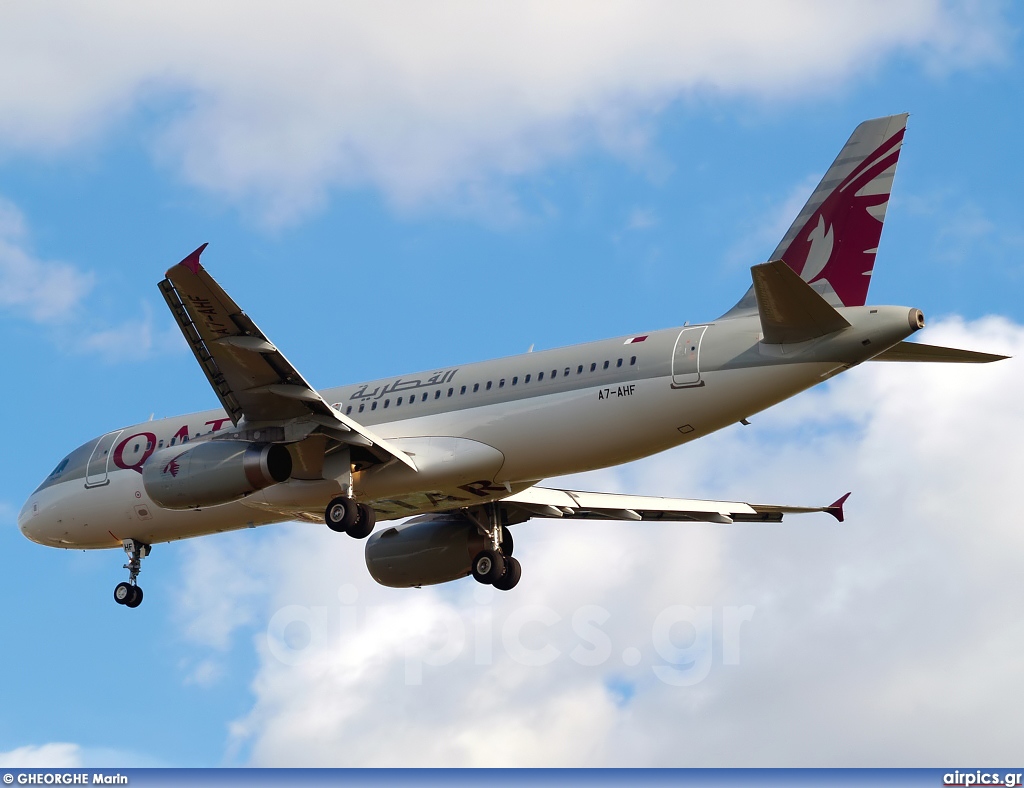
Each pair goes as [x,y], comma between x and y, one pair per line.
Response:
[26,517]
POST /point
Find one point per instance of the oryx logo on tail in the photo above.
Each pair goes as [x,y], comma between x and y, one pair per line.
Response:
[836,235]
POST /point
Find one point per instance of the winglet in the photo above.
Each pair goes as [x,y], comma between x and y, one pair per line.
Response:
[836,509]
[192,261]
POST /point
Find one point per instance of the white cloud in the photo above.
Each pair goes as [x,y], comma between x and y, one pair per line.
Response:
[641,219]
[54,295]
[59,755]
[131,339]
[43,291]
[272,107]
[890,640]
[63,755]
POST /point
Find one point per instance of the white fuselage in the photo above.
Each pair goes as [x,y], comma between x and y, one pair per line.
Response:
[476,433]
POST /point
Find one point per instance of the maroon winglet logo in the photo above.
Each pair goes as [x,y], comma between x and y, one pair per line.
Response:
[172,467]
[192,261]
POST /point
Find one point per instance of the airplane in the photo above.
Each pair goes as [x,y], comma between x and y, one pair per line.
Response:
[459,453]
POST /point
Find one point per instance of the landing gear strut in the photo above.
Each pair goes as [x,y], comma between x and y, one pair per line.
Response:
[355,519]
[495,565]
[129,594]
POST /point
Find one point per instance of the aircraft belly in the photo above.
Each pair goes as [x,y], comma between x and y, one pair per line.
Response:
[444,461]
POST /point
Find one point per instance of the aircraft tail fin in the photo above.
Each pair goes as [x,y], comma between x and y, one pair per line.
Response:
[833,240]
[790,309]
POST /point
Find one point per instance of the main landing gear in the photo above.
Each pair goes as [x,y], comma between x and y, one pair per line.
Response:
[355,519]
[129,594]
[495,565]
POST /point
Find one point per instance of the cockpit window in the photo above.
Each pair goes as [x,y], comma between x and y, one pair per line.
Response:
[71,467]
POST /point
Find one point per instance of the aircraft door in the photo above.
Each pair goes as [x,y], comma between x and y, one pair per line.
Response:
[99,460]
[686,358]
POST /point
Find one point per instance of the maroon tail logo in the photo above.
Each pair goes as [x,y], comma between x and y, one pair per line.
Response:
[839,241]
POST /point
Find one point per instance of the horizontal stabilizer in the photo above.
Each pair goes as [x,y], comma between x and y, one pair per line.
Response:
[790,310]
[915,351]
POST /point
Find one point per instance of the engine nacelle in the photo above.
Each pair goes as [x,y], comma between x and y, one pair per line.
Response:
[423,551]
[213,472]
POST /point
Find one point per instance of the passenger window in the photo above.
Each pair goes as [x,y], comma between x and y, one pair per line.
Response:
[398,402]
[160,444]
[437,394]
[476,387]
[619,363]
[374,405]
[387,402]
[361,407]
[526,379]
[501,383]
[567,371]
[593,366]
[348,410]
[488,385]
[540,376]
[450,392]
[515,380]
[424,396]
[632,361]
[606,365]
[554,373]
[462,390]
[579,370]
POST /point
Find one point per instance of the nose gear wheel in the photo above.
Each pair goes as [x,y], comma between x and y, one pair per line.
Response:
[129,593]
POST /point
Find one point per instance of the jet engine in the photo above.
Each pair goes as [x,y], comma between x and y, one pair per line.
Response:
[424,551]
[213,472]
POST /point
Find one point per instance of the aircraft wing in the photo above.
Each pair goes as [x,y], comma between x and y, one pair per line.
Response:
[572,504]
[250,376]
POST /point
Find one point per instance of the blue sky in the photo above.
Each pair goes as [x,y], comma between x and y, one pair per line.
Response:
[392,193]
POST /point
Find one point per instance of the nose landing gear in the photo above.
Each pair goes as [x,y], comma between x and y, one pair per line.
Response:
[129,594]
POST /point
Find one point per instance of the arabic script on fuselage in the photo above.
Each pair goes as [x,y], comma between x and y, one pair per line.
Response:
[400,385]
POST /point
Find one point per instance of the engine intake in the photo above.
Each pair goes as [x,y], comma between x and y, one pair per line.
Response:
[213,472]
[423,551]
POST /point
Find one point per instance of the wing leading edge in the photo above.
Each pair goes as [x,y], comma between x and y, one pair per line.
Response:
[250,376]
